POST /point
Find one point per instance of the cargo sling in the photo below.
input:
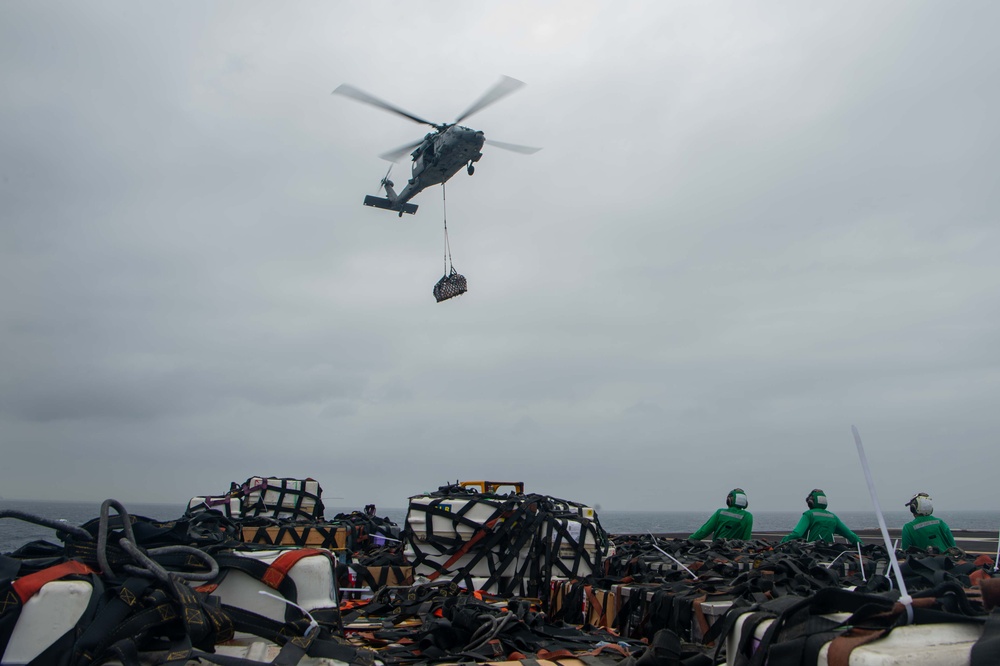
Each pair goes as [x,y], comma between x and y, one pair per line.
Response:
[452,284]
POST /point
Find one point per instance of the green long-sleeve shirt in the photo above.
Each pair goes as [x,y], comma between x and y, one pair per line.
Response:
[729,523]
[820,525]
[924,531]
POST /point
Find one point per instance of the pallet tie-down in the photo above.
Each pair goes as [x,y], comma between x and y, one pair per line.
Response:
[508,545]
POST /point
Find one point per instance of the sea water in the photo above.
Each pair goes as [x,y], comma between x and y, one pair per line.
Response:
[15,533]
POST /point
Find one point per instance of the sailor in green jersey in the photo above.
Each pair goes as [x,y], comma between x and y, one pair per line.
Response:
[733,522]
[818,524]
[924,531]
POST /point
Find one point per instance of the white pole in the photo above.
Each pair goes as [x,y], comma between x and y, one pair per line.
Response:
[861,563]
[904,596]
[996,560]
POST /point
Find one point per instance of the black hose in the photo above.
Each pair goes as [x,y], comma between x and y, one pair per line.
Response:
[158,570]
[57,525]
[102,532]
[149,567]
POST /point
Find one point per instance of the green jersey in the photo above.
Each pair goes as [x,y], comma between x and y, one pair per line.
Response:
[924,531]
[729,523]
[820,525]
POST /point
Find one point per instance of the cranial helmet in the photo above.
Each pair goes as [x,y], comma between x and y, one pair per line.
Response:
[920,505]
[737,497]
[816,499]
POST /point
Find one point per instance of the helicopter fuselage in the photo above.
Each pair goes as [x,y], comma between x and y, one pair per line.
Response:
[440,154]
[440,157]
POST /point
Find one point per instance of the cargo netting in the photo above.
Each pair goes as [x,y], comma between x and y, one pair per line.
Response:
[278,499]
[190,583]
[503,544]
[451,285]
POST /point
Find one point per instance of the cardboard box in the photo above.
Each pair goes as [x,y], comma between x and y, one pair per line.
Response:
[332,537]
[602,608]
[705,614]
[391,576]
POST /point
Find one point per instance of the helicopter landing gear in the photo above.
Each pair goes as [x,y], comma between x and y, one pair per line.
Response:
[471,168]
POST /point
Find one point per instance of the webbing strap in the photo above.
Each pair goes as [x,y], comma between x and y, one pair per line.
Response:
[482,532]
[126,600]
[28,586]
[842,646]
[276,572]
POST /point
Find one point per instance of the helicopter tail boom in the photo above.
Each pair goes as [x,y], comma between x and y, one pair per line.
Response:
[385,204]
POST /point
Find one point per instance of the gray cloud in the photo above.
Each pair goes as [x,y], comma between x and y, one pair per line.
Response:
[751,226]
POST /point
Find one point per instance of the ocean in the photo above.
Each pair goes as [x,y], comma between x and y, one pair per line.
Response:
[15,533]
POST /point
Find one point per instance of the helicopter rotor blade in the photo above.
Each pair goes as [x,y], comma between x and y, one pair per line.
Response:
[396,153]
[505,86]
[361,96]
[517,148]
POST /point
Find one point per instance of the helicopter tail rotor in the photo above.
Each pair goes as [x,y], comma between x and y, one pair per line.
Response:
[390,200]
[386,184]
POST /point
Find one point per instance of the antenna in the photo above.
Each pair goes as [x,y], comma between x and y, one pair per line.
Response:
[904,596]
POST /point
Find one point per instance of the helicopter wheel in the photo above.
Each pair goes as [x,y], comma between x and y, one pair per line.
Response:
[471,169]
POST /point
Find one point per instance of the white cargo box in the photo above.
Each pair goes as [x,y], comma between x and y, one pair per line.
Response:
[465,516]
[314,577]
[913,645]
[429,553]
[712,610]
[231,507]
[576,541]
[291,499]
[52,612]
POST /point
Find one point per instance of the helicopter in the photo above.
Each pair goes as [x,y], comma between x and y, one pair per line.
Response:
[439,154]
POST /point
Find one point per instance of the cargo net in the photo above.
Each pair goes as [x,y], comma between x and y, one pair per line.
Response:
[282,499]
[510,545]
[453,283]
[276,499]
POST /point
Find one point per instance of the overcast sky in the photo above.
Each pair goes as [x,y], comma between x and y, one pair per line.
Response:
[751,226]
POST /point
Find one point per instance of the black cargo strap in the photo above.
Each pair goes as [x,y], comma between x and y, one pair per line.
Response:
[986,650]
[257,570]
[293,638]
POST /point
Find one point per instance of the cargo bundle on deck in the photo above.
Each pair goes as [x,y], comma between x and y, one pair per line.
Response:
[506,544]
[475,575]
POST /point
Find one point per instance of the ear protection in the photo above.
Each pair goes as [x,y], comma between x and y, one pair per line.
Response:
[816,499]
[737,497]
[920,505]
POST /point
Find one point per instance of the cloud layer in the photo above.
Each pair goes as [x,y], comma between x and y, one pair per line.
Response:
[751,227]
